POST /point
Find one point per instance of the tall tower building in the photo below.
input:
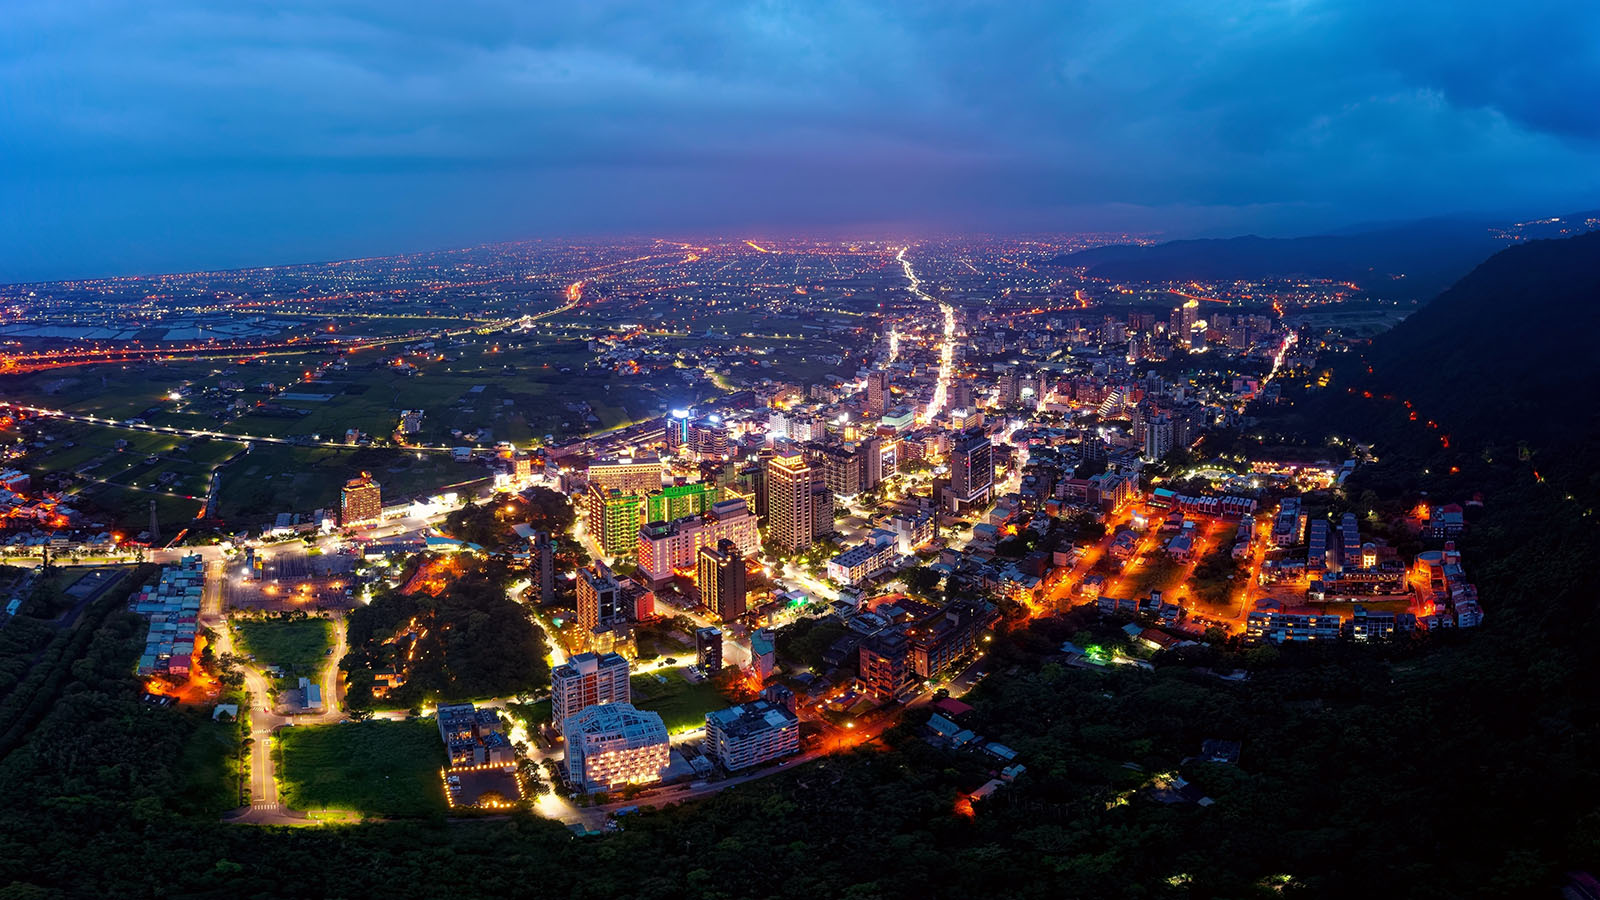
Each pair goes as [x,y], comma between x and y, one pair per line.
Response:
[614,519]
[1188,314]
[788,491]
[877,394]
[1157,437]
[543,552]
[361,501]
[599,596]
[721,576]
[971,467]
[870,451]
[587,680]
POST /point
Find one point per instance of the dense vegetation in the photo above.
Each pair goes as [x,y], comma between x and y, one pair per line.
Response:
[471,642]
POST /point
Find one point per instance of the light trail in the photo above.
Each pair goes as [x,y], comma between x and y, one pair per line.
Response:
[947,348]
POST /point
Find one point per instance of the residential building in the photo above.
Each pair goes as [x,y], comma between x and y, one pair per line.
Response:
[586,680]
[614,519]
[789,500]
[859,563]
[599,597]
[971,468]
[708,650]
[630,476]
[542,551]
[1158,437]
[679,501]
[877,393]
[665,546]
[721,577]
[885,663]
[750,734]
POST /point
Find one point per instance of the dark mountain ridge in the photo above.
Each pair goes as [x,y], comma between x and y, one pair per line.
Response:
[1411,261]
[1508,352]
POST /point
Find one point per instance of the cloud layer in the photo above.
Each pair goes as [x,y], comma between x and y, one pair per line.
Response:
[150,136]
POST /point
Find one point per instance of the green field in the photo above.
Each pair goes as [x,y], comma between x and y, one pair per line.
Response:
[275,478]
[299,647]
[681,705]
[372,768]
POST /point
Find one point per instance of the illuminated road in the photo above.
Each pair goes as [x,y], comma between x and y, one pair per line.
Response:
[219,435]
[947,347]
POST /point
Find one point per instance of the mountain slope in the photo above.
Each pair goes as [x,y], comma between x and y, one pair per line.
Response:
[1411,261]
[1509,351]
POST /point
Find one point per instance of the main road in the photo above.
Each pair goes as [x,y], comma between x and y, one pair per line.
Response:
[947,347]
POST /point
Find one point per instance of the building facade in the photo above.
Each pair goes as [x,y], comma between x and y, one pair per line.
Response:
[615,745]
[587,680]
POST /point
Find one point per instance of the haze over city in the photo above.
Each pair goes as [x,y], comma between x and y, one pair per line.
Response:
[139,138]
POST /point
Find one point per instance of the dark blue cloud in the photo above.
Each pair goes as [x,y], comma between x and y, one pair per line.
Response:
[138,136]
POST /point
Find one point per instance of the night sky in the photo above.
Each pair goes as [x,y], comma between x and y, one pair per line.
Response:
[159,136]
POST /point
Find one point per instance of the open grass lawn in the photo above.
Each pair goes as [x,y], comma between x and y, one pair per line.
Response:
[681,705]
[1156,571]
[129,509]
[299,648]
[372,768]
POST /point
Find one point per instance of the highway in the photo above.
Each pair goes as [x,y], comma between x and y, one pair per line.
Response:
[947,347]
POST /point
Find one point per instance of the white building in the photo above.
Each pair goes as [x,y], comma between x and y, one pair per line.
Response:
[858,563]
[615,745]
[742,736]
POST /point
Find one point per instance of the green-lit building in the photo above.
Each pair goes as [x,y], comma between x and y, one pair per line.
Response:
[673,503]
[614,520]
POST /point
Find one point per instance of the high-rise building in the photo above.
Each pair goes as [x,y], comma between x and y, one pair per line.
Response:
[677,427]
[615,745]
[679,501]
[709,437]
[877,394]
[870,452]
[837,466]
[1010,389]
[614,519]
[586,680]
[708,650]
[361,500]
[1188,314]
[971,467]
[821,510]
[542,550]
[789,500]
[721,576]
[752,733]
[1157,437]
[599,597]
[665,546]
[960,394]
[630,476]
